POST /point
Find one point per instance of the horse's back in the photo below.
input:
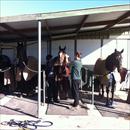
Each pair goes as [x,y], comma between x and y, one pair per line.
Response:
[99,67]
[100,71]
[29,71]
[31,68]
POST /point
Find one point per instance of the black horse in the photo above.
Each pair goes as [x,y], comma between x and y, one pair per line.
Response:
[6,74]
[26,71]
[61,73]
[103,71]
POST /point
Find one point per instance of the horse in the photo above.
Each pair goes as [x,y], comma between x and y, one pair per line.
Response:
[26,71]
[6,75]
[103,71]
[61,73]
[124,74]
[125,81]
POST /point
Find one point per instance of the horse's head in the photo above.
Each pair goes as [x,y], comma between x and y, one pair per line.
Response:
[118,59]
[114,61]
[63,57]
[21,53]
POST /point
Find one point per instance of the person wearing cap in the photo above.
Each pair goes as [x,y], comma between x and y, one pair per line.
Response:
[76,78]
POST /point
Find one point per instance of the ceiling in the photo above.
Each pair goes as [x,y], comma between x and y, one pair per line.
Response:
[66,24]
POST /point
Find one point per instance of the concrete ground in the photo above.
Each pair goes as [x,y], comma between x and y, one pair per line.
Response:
[63,116]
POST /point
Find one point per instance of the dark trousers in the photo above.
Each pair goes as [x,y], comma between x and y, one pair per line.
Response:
[52,89]
[75,91]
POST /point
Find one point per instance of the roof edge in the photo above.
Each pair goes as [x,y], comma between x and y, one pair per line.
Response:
[61,14]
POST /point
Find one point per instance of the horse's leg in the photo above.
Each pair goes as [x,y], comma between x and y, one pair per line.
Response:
[66,87]
[112,91]
[98,85]
[112,95]
[102,87]
[107,91]
[56,91]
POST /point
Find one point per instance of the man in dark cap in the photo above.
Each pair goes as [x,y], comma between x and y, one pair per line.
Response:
[76,78]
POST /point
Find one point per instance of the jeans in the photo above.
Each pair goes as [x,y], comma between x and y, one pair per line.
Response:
[75,91]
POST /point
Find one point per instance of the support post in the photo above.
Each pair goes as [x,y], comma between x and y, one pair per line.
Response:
[44,84]
[39,67]
[93,90]
[101,47]
[75,46]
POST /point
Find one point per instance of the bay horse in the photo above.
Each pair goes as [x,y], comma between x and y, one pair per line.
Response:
[6,75]
[124,74]
[61,73]
[26,71]
[103,71]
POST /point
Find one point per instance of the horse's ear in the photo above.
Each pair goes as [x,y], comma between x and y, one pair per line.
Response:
[18,43]
[59,47]
[122,51]
[115,50]
[64,48]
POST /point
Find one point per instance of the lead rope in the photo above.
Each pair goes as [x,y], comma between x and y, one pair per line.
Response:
[1,70]
[35,71]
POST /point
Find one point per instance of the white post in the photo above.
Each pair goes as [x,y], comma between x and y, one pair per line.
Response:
[44,84]
[39,67]
[92,90]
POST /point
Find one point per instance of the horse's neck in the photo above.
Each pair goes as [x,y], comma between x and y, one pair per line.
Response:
[99,68]
[56,61]
[109,63]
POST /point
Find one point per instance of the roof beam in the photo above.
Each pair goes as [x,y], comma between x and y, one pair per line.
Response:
[12,30]
[88,31]
[120,19]
[61,35]
[81,24]
[89,24]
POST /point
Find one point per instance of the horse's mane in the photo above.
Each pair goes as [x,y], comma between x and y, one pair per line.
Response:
[55,60]
[114,61]
[110,62]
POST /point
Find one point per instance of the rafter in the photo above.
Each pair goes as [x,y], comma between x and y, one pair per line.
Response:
[12,30]
[81,24]
[120,19]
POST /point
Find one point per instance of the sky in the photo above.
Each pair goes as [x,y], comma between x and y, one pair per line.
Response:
[20,7]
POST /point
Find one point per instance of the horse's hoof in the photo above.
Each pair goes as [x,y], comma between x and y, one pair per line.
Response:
[109,105]
[101,96]
[57,101]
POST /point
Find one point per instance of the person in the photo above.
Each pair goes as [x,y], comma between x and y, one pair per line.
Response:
[51,91]
[76,78]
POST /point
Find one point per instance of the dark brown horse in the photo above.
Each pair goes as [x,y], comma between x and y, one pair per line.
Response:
[61,73]
[103,71]
[26,70]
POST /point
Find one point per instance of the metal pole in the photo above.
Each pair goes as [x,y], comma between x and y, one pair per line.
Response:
[75,46]
[44,84]
[92,90]
[39,67]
